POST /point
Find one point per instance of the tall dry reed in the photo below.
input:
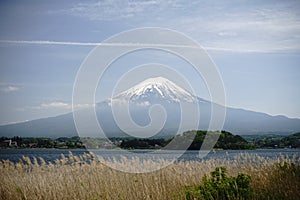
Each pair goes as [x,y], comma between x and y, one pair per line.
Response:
[87,177]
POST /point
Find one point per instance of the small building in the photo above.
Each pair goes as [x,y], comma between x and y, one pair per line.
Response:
[32,145]
[8,143]
[107,145]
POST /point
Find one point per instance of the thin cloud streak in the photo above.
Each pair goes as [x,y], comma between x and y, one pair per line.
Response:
[60,105]
[46,42]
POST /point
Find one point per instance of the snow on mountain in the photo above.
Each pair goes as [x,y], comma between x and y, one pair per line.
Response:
[159,88]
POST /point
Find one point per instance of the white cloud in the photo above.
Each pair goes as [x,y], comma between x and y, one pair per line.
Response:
[247,27]
[122,102]
[9,88]
[214,47]
[261,30]
[47,42]
[219,26]
[55,105]
[108,10]
[60,105]
[144,104]
[40,42]
[80,106]
[227,33]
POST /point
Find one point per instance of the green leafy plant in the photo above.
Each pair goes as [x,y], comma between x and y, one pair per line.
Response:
[219,186]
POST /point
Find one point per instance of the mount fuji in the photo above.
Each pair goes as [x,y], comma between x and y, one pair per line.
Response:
[140,99]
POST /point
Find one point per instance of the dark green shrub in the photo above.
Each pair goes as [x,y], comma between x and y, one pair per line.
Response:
[219,186]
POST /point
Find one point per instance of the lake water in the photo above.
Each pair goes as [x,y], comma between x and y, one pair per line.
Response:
[53,154]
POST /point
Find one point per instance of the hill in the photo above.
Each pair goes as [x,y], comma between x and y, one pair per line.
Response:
[226,141]
[291,141]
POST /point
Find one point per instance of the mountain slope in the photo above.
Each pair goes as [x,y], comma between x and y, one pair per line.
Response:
[53,127]
[141,98]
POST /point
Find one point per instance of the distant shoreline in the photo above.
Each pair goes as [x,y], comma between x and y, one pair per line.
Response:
[84,149]
[226,141]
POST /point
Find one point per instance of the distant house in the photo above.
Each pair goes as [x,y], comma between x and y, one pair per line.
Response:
[117,142]
[14,144]
[107,145]
[32,145]
[61,145]
[8,143]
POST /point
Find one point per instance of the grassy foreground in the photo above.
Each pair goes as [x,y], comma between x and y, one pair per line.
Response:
[86,177]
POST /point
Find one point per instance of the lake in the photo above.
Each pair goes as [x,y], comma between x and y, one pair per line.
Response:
[53,154]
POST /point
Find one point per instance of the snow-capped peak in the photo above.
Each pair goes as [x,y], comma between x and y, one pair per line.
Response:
[157,87]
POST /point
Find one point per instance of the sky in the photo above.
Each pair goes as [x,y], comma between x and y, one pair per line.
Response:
[254,44]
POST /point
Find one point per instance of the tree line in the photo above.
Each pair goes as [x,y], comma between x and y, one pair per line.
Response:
[191,140]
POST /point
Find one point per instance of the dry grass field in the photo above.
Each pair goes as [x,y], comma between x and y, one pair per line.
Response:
[87,177]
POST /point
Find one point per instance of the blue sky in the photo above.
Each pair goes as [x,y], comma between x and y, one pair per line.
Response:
[255,45]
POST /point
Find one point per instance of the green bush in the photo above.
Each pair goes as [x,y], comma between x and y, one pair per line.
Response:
[219,186]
